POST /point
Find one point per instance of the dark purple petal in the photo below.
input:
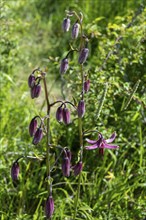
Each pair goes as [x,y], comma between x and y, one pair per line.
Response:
[38,136]
[83,55]
[104,145]
[31,80]
[81,108]
[75,30]
[33,127]
[77,168]
[66,116]
[112,138]
[49,207]
[86,85]
[35,91]
[15,171]
[66,24]
[59,114]
[64,66]
[66,166]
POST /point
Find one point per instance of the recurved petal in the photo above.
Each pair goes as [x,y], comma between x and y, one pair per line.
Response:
[112,138]
[92,147]
[91,141]
[109,146]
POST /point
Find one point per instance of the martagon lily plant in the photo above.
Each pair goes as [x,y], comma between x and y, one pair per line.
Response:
[39,127]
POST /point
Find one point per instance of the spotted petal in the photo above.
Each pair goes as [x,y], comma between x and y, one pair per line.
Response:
[112,138]
[109,146]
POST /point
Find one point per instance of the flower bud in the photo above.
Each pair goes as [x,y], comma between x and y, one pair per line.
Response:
[66,116]
[81,108]
[66,166]
[86,85]
[59,113]
[38,136]
[83,55]
[77,168]
[75,30]
[35,91]
[31,80]
[15,171]
[33,126]
[64,66]
[49,207]
[66,24]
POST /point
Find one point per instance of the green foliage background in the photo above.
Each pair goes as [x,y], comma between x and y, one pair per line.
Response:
[113,187]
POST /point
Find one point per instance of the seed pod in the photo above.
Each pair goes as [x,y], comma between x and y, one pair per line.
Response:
[59,113]
[66,166]
[66,24]
[86,86]
[75,30]
[77,168]
[15,171]
[31,80]
[81,108]
[66,116]
[33,126]
[38,136]
[83,55]
[35,91]
[64,66]
[49,207]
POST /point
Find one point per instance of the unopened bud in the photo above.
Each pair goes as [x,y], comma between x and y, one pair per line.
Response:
[59,113]
[32,127]
[66,116]
[77,168]
[81,108]
[68,152]
[31,80]
[83,55]
[64,66]
[66,166]
[38,136]
[86,85]
[66,24]
[35,91]
[15,171]
[75,30]
[49,207]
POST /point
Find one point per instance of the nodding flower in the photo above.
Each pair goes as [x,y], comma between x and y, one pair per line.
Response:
[102,143]
[35,91]
[31,80]
[49,206]
[33,126]
[64,66]
[59,114]
[66,116]
[66,163]
[77,168]
[66,24]
[38,136]
[83,55]
[86,86]
[15,169]
[75,30]
[81,108]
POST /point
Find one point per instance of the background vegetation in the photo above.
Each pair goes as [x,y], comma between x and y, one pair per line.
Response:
[113,187]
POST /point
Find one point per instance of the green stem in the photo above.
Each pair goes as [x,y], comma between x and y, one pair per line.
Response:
[48,133]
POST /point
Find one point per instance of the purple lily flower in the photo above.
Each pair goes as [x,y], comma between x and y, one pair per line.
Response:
[102,143]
